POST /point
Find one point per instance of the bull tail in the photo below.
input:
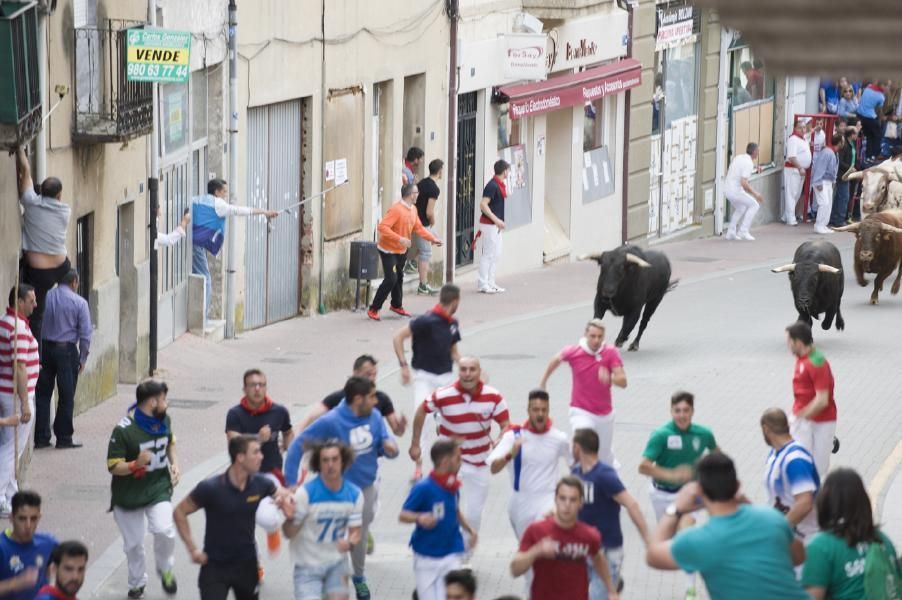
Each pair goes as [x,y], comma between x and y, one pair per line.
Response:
[672,285]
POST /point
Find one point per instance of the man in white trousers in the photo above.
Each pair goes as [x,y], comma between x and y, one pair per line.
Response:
[744,200]
[532,453]
[491,224]
[596,366]
[19,354]
[465,412]
[141,458]
[823,174]
[798,159]
[433,339]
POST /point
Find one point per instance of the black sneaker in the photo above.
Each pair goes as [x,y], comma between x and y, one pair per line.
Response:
[169,584]
[135,593]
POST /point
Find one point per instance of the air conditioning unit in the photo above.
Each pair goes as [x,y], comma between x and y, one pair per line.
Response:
[526,23]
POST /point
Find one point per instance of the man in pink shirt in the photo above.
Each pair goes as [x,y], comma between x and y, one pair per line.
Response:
[595,366]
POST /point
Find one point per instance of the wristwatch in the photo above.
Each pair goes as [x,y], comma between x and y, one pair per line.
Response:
[672,511]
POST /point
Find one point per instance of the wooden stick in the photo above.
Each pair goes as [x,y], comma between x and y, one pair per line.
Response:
[15,357]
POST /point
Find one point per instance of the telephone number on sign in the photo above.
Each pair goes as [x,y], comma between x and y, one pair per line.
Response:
[155,71]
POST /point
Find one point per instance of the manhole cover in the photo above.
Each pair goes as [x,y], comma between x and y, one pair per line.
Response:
[82,492]
[190,404]
[280,360]
[699,259]
[508,356]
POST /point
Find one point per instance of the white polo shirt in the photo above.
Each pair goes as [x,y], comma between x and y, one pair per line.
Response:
[741,168]
[536,468]
[798,148]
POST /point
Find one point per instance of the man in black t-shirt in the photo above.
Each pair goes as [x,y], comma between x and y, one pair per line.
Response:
[491,224]
[426,201]
[257,414]
[229,556]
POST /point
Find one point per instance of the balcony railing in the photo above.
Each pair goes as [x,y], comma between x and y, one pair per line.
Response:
[108,107]
[20,95]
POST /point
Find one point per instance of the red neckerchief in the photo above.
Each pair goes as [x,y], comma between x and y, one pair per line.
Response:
[527,425]
[437,309]
[501,186]
[410,166]
[447,481]
[876,87]
[12,313]
[475,393]
[264,408]
[55,593]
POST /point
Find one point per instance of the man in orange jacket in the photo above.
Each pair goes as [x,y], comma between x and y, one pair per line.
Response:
[395,230]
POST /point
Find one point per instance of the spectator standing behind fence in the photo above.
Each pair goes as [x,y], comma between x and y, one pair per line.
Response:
[66,343]
[848,104]
[823,174]
[869,107]
[846,160]
[45,221]
[798,159]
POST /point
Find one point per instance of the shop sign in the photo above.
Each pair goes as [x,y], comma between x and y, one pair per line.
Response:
[578,94]
[675,26]
[524,56]
[587,41]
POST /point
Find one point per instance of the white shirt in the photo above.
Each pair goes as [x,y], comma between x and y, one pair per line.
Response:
[741,168]
[224,209]
[169,239]
[798,148]
[536,469]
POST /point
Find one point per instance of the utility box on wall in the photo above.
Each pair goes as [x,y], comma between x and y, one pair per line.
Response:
[20,93]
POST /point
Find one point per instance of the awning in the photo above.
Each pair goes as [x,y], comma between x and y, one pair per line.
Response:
[574,89]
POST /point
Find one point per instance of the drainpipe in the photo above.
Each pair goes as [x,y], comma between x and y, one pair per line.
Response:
[453,10]
[726,37]
[153,197]
[321,305]
[40,154]
[233,167]
[624,212]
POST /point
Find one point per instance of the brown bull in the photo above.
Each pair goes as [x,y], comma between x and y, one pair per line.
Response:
[878,249]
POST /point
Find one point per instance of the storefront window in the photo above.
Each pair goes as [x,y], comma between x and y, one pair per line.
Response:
[680,89]
[751,99]
[508,129]
[174,112]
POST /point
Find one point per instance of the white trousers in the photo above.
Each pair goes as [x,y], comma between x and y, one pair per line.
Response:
[491,253]
[269,517]
[824,199]
[792,189]
[473,493]
[430,574]
[817,438]
[424,383]
[8,484]
[744,209]
[603,425]
[160,526]
[525,508]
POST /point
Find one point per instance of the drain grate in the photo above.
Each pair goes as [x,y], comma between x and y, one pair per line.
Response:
[280,360]
[700,259]
[190,404]
[508,356]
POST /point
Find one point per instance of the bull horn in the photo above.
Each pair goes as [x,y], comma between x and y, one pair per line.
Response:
[828,269]
[785,268]
[595,257]
[854,176]
[886,227]
[637,261]
[852,227]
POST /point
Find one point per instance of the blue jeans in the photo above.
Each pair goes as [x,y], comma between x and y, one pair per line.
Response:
[314,583]
[597,590]
[199,266]
[840,204]
[59,367]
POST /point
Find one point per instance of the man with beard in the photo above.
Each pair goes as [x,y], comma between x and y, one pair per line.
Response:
[68,563]
[142,459]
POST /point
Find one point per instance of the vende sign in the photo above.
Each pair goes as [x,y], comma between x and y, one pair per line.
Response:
[524,56]
[543,102]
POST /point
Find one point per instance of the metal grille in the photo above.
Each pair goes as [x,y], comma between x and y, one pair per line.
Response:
[173,201]
[272,259]
[465,203]
[83,239]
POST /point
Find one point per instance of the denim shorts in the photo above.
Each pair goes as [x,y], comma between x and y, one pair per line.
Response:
[424,247]
[312,583]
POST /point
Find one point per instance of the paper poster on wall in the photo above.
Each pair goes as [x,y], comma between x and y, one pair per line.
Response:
[596,187]
[341,171]
[330,170]
[517,178]
[518,205]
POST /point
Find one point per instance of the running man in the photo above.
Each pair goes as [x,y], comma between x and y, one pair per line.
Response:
[558,547]
[465,411]
[790,476]
[24,551]
[432,504]
[604,495]
[228,559]
[68,563]
[433,339]
[596,366]
[257,414]
[142,459]
[669,460]
[532,453]
[813,422]
[326,525]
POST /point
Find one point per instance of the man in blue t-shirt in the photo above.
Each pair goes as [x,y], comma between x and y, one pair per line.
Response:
[24,552]
[743,552]
[432,505]
[604,495]
[357,424]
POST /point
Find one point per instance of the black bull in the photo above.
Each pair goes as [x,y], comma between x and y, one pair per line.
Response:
[816,279]
[631,278]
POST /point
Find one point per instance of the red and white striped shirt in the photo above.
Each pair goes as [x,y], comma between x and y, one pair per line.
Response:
[26,351]
[468,417]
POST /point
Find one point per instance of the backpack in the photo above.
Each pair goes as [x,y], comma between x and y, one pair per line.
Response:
[881,577]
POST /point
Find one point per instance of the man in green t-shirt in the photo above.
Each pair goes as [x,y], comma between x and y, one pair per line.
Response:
[669,459]
[141,457]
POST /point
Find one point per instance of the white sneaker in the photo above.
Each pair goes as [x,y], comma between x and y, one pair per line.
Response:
[747,236]
[730,236]
[498,289]
[823,231]
[486,290]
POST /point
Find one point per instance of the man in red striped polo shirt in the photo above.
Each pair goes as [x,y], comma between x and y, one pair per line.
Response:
[465,410]
[16,337]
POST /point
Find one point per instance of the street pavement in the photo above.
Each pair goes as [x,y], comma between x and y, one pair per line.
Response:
[719,335]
